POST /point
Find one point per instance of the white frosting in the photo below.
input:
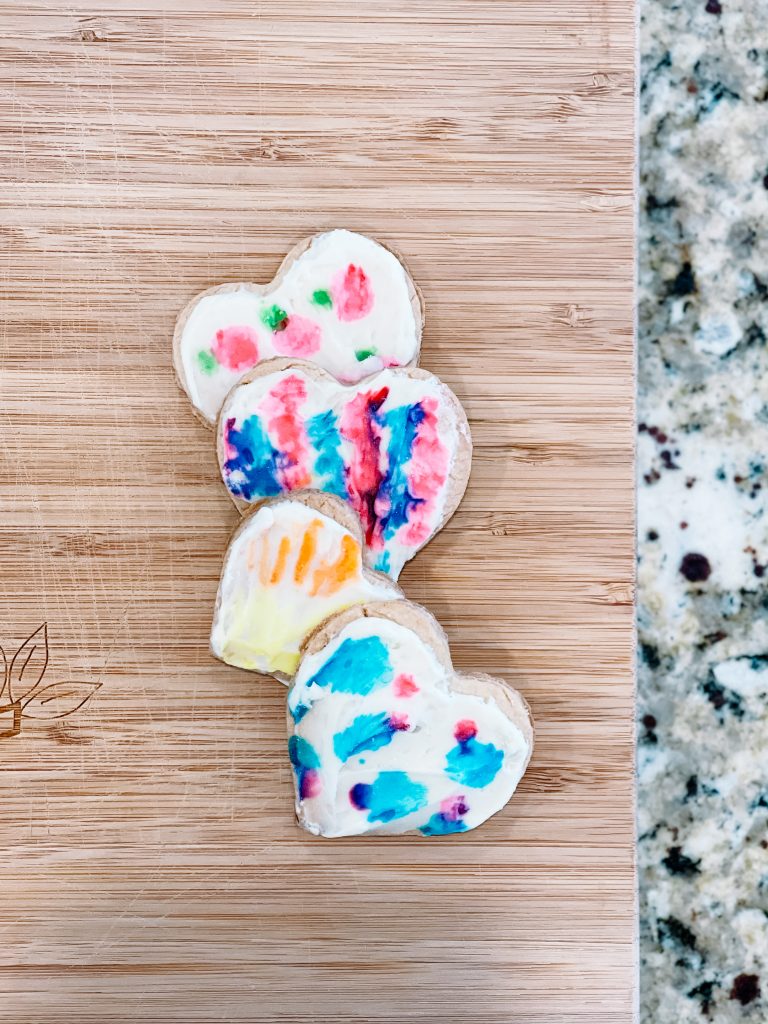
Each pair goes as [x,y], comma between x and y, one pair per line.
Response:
[420,751]
[260,621]
[322,395]
[391,327]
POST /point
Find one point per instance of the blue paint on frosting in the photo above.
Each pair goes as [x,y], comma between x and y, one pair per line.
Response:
[356,666]
[298,712]
[474,764]
[394,496]
[367,732]
[383,562]
[323,434]
[253,468]
[302,753]
[440,825]
[305,761]
[391,795]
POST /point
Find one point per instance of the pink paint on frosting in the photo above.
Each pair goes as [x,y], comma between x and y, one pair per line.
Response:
[404,685]
[236,348]
[352,293]
[427,474]
[300,337]
[364,474]
[311,784]
[465,730]
[229,449]
[285,426]
[453,807]
[398,722]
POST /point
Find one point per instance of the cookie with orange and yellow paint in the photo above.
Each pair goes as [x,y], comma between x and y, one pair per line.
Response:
[290,565]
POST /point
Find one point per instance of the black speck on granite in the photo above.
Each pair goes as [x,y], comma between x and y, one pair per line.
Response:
[677,863]
[746,988]
[703,512]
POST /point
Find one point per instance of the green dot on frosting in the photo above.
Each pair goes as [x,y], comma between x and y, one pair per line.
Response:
[364,353]
[207,362]
[322,298]
[275,318]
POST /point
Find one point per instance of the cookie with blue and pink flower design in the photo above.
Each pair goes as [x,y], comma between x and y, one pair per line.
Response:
[339,299]
[386,737]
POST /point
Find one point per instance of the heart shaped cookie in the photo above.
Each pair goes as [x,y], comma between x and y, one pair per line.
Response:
[396,447]
[339,299]
[384,735]
[291,564]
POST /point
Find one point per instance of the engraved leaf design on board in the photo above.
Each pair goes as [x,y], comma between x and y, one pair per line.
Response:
[26,696]
[28,665]
[58,699]
[4,681]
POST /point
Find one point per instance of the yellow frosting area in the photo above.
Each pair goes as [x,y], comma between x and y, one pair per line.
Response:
[287,571]
[263,637]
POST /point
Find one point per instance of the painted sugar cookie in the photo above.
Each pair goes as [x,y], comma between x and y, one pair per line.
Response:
[290,565]
[396,447]
[339,299]
[384,735]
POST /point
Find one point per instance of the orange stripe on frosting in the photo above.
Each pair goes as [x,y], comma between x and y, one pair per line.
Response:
[282,558]
[332,576]
[307,550]
[264,568]
[250,552]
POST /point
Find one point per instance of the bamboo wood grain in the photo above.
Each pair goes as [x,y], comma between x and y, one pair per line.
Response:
[152,869]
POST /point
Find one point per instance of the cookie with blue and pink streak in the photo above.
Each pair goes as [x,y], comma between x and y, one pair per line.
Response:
[339,299]
[396,447]
[385,736]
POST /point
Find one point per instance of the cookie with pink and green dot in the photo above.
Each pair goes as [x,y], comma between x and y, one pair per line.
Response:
[340,300]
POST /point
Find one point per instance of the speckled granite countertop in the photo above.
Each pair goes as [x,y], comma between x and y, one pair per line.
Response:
[703,511]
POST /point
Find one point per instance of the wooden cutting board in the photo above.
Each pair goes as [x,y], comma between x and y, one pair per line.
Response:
[153,870]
